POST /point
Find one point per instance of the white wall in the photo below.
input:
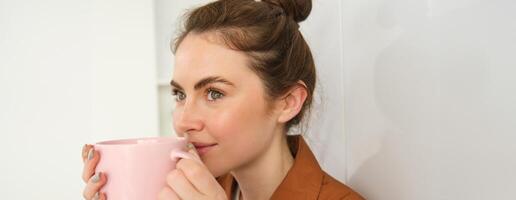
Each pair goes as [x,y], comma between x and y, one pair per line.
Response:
[71,72]
[429,98]
[416,97]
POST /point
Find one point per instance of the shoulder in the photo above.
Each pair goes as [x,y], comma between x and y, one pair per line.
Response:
[332,189]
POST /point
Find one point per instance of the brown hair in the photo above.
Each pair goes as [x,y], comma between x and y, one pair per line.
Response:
[268,32]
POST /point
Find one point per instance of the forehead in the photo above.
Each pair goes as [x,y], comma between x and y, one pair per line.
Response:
[200,55]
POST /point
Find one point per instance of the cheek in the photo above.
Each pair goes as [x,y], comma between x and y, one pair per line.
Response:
[241,118]
[234,121]
[241,127]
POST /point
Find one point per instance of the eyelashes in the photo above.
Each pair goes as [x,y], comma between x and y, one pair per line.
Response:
[178,95]
[211,94]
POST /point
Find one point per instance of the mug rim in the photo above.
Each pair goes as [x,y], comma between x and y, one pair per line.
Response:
[135,141]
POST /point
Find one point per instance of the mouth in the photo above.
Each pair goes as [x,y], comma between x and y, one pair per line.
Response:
[203,148]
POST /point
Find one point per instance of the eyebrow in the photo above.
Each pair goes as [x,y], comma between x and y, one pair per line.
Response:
[203,82]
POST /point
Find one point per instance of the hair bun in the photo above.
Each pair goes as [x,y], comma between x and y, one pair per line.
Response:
[297,9]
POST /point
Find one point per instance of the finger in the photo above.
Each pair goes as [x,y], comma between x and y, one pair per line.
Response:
[193,151]
[93,186]
[92,159]
[85,150]
[199,176]
[101,196]
[181,186]
[177,155]
[167,194]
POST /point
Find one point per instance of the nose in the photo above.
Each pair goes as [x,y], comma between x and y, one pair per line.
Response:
[187,118]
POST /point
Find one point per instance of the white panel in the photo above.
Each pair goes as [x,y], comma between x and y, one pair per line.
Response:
[429,98]
[71,72]
[169,15]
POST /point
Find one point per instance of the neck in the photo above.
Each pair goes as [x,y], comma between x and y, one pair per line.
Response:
[259,179]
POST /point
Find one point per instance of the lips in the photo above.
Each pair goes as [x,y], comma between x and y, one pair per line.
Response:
[203,148]
[200,145]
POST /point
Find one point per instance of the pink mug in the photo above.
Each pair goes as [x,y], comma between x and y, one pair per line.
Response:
[136,168]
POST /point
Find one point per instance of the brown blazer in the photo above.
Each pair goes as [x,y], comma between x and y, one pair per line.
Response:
[304,181]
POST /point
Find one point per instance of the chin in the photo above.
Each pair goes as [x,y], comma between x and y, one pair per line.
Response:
[217,171]
[216,165]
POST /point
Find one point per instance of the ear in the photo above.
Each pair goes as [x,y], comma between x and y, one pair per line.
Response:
[292,102]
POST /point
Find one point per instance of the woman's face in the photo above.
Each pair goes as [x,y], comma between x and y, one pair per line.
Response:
[220,101]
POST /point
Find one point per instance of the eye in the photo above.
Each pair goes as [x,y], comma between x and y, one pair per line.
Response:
[214,95]
[178,95]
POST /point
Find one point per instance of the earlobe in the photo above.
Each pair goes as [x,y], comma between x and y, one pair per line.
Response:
[293,102]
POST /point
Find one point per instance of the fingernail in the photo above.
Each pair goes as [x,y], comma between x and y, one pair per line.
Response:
[96,197]
[190,146]
[90,154]
[96,177]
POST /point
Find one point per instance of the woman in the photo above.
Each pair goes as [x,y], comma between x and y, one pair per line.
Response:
[243,76]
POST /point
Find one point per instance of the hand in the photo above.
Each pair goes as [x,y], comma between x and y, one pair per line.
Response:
[191,180]
[93,181]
